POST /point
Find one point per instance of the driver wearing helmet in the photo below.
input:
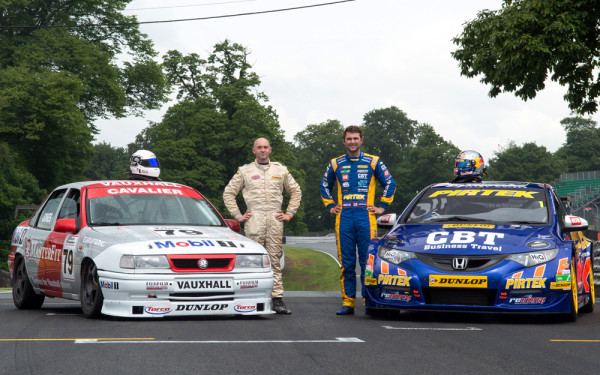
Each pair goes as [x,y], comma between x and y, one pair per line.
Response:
[144,166]
[469,167]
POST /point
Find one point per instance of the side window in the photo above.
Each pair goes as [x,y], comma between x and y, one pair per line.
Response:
[70,206]
[48,213]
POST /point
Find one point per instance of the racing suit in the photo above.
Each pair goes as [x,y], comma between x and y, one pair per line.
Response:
[262,188]
[355,226]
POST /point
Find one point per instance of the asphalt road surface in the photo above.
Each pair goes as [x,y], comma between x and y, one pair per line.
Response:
[57,339]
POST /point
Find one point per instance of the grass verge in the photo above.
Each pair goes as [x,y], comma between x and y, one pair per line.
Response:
[310,270]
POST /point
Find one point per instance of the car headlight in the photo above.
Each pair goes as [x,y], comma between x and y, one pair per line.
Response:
[144,262]
[534,258]
[395,256]
[252,261]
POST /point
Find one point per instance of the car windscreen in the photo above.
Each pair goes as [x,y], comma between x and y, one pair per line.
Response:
[128,208]
[484,205]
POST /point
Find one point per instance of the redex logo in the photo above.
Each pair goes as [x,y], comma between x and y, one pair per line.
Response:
[449,281]
[157,310]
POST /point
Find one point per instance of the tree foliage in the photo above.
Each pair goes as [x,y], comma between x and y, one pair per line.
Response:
[516,48]
[528,162]
[209,133]
[58,73]
[580,151]
[109,163]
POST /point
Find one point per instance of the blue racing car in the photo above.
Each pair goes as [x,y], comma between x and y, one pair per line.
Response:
[488,247]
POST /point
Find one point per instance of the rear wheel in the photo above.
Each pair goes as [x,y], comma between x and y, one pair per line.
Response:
[90,292]
[23,295]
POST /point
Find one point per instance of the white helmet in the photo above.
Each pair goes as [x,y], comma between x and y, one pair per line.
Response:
[145,163]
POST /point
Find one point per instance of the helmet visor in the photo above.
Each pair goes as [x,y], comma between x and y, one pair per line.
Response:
[149,163]
[463,163]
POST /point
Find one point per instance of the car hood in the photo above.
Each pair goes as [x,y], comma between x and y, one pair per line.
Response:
[168,239]
[470,239]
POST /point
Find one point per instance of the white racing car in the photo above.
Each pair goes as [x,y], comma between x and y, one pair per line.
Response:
[137,249]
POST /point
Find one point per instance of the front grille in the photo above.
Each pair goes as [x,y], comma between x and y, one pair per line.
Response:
[443,262]
[189,262]
[459,296]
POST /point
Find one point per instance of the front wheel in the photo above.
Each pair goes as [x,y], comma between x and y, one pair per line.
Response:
[23,295]
[90,292]
[571,316]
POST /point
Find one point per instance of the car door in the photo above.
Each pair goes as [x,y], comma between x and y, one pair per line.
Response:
[39,253]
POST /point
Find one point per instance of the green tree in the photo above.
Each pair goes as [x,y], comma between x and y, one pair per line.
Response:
[516,48]
[59,73]
[109,163]
[431,160]
[316,145]
[580,151]
[17,186]
[528,162]
[209,133]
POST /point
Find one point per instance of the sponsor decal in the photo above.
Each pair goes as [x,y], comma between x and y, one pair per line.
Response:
[575,220]
[394,280]
[18,236]
[485,226]
[451,281]
[94,241]
[526,283]
[562,278]
[362,176]
[344,177]
[386,173]
[538,244]
[139,183]
[109,285]
[157,310]
[144,191]
[248,284]
[354,197]
[447,240]
[363,166]
[346,184]
[202,307]
[244,308]
[169,244]
[527,300]
[255,177]
[276,177]
[560,285]
[395,296]
[157,285]
[362,171]
[370,280]
[204,284]
[485,192]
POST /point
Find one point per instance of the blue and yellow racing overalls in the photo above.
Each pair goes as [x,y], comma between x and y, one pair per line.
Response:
[355,226]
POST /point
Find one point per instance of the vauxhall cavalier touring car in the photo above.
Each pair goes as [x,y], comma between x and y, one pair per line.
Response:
[492,246]
[137,249]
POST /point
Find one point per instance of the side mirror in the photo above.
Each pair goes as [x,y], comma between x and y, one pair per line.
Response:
[234,225]
[386,221]
[65,226]
[575,223]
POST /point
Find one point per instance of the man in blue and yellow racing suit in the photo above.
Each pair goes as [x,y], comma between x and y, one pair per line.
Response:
[356,174]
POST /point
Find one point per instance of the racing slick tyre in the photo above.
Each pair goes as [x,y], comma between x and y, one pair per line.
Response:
[572,315]
[23,295]
[589,307]
[91,294]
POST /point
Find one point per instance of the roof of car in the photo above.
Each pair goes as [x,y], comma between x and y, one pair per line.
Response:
[492,184]
[105,183]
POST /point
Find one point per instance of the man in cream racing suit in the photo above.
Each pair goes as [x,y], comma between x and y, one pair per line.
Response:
[262,183]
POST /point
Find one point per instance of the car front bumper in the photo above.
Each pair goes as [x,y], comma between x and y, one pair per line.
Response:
[159,295]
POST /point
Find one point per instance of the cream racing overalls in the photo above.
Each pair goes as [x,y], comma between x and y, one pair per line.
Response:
[262,188]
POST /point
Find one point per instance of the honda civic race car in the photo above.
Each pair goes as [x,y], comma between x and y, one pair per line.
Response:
[492,246]
[137,249]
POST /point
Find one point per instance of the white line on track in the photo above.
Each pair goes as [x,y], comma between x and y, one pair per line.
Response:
[337,340]
[434,329]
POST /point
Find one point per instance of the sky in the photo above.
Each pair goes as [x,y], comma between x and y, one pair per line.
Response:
[342,61]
